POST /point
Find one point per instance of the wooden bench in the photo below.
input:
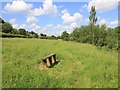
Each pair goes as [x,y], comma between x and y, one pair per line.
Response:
[49,60]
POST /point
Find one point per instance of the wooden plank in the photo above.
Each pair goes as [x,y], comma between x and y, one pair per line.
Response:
[50,55]
[53,60]
[47,62]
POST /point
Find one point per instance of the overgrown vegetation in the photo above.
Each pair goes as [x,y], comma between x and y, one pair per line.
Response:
[101,36]
[81,65]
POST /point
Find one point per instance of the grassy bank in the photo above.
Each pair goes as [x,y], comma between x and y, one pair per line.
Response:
[81,65]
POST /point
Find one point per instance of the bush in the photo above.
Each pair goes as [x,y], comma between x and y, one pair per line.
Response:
[98,35]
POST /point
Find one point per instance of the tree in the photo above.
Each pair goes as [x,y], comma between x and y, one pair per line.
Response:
[75,35]
[65,36]
[41,34]
[0,27]
[36,35]
[58,37]
[93,20]
[14,31]
[53,36]
[32,32]
[7,27]
[2,21]
[22,31]
[92,17]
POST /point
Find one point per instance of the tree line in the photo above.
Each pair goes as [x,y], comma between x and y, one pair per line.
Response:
[101,36]
[8,31]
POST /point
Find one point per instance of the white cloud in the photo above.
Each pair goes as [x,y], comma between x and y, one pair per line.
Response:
[17,6]
[22,26]
[103,5]
[84,6]
[64,11]
[36,12]
[15,26]
[51,30]
[114,22]
[48,29]
[109,23]
[47,8]
[98,18]
[68,19]
[12,21]
[30,27]
[34,27]
[31,20]
[22,7]
[103,21]
[57,29]
[74,25]
[18,26]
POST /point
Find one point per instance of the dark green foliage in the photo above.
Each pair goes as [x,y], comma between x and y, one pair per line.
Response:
[58,37]
[2,21]
[92,17]
[5,35]
[36,35]
[103,36]
[32,32]
[43,35]
[14,31]
[65,36]
[112,38]
[48,37]
[82,34]
[7,27]
[22,31]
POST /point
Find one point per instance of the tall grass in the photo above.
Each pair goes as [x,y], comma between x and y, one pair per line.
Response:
[81,65]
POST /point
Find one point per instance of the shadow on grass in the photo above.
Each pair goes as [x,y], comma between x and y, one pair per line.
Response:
[57,62]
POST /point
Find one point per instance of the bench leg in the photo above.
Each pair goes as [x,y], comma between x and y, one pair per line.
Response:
[54,56]
[48,62]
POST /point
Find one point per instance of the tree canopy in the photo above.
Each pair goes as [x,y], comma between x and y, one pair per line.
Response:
[7,27]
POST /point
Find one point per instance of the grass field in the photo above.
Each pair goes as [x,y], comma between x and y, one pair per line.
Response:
[81,65]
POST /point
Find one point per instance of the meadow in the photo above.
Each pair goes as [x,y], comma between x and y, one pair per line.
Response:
[81,65]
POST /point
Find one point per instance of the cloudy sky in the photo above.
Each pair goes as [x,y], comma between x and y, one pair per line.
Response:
[52,18]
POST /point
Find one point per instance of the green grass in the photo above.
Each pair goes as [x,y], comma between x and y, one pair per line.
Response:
[81,65]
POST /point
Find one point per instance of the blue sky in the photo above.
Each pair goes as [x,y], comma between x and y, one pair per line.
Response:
[52,18]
